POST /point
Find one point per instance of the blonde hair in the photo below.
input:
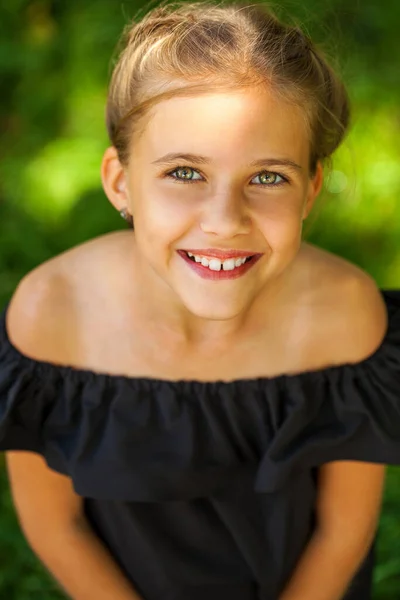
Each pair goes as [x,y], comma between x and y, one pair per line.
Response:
[188,48]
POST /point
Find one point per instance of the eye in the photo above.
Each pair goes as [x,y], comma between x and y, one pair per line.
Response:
[186,171]
[269,178]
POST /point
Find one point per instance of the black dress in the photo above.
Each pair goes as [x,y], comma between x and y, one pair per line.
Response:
[205,490]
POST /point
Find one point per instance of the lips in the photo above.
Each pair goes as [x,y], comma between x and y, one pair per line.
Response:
[221,275]
[221,254]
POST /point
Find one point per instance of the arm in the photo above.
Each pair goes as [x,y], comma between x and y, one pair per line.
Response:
[350,492]
[50,512]
[51,517]
[348,509]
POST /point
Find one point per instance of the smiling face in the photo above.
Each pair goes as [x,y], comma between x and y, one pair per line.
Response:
[226,200]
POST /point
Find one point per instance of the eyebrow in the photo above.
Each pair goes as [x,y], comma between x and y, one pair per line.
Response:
[204,160]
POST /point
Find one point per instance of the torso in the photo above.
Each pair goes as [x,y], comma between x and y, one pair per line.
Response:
[92,330]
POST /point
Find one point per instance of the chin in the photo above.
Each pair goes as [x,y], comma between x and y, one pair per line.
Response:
[212,308]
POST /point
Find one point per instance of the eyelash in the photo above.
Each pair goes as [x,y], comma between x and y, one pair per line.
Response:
[284,181]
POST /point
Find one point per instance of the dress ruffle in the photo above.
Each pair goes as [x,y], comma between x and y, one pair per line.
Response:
[144,439]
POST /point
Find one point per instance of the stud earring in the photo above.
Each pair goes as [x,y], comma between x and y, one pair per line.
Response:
[127,216]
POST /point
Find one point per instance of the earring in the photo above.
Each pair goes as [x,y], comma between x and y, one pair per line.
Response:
[125,215]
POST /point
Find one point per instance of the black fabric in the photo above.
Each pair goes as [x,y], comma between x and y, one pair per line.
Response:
[205,489]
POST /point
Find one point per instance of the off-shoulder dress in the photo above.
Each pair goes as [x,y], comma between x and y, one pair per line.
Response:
[205,490]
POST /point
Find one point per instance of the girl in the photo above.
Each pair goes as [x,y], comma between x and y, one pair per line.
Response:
[203,405]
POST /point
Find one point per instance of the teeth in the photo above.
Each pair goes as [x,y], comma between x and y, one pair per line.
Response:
[229,264]
[214,264]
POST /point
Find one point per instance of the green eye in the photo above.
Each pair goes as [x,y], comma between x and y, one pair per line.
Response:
[186,171]
[269,178]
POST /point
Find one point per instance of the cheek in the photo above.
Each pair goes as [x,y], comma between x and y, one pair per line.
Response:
[280,221]
[161,221]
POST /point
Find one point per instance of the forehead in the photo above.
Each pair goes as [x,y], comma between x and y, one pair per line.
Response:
[228,122]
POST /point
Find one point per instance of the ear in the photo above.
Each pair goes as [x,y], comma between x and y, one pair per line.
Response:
[314,188]
[113,179]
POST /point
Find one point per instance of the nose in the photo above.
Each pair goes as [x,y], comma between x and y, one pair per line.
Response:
[225,216]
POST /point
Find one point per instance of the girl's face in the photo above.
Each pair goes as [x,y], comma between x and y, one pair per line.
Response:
[216,198]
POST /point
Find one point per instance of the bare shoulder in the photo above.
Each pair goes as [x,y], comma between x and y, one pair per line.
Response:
[54,294]
[353,313]
[32,319]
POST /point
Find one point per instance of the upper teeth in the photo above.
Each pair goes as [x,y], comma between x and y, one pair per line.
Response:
[215,264]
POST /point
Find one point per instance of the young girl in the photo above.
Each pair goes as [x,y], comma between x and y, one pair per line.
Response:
[202,406]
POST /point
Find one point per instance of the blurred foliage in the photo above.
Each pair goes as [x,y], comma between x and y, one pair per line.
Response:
[55,60]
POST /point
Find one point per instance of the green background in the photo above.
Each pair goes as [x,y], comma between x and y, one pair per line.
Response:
[55,61]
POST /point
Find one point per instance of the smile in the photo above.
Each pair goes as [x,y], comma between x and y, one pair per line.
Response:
[214,268]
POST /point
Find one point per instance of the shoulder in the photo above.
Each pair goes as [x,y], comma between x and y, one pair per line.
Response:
[54,296]
[35,312]
[351,311]
[365,319]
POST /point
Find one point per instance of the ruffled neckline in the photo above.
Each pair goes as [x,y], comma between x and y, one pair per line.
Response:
[146,439]
[80,375]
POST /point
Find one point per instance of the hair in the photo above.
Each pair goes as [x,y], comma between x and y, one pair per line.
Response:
[187,48]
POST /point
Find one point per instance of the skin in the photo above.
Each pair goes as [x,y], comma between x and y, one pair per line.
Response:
[225,206]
